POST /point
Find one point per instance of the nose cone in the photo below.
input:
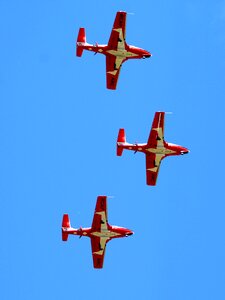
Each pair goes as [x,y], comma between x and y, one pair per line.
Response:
[129,232]
[184,151]
[146,54]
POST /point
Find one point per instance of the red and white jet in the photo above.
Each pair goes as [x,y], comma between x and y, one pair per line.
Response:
[155,150]
[117,51]
[99,233]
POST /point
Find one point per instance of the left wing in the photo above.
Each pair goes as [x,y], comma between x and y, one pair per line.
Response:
[113,64]
[99,224]
[156,137]
[100,219]
[118,34]
[116,41]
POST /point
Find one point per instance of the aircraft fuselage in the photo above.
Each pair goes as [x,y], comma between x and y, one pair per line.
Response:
[109,232]
[126,53]
[166,149]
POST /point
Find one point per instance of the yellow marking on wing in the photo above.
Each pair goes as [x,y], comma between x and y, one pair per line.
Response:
[112,72]
[154,169]
[103,219]
[102,243]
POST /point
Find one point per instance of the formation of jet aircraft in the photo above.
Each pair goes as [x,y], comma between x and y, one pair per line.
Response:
[117,51]
[100,231]
[155,149]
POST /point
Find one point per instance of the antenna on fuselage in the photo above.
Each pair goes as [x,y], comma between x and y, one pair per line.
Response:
[80,232]
[136,144]
[96,45]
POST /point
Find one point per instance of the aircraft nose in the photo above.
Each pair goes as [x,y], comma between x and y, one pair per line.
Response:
[129,232]
[147,55]
[184,151]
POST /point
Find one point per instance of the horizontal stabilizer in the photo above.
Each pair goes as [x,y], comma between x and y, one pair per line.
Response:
[120,140]
[65,225]
[81,41]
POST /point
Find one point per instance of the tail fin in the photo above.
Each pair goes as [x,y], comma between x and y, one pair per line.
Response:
[81,41]
[121,139]
[65,225]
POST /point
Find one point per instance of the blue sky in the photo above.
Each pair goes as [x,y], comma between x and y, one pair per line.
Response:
[58,129]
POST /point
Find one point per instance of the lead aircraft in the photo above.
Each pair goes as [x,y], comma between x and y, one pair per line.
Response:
[155,150]
[100,232]
[117,51]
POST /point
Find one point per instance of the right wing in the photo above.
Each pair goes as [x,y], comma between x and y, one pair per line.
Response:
[156,137]
[152,167]
[113,64]
[98,245]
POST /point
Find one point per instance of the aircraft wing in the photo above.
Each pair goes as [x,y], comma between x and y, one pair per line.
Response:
[152,167]
[118,34]
[113,64]
[116,41]
[98,245]
[99,224]
[100,219]
[156,136]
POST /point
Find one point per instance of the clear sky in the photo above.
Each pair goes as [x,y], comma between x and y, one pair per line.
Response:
[58,130]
